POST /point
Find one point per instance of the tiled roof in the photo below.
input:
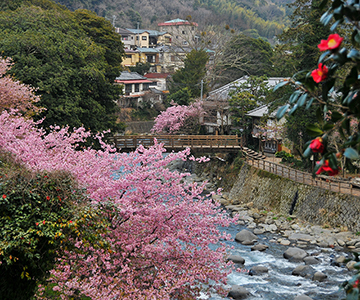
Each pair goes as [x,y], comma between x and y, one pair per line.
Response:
[177,22]
[156,75]
[150,32]
[148,50]
[125,75]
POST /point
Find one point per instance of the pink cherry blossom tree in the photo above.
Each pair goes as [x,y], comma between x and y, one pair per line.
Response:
[157,246]
[179,119]
[15,95]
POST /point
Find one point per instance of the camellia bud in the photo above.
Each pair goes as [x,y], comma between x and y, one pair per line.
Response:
[339,155]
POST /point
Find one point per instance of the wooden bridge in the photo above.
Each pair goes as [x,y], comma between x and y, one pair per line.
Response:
[197,143]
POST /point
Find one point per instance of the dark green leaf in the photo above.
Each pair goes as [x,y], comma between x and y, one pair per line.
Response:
[346,125]
[313,130]
[323,4]
[351,153]
[280,84]
[294,96]
[356,36]
[307,152]
[308,105]
[322,56]
[333,26]
[293,109]
[355,54]
[319,115]
[328,126]
[326,18]
[302,99]
[281,111]
[336,116]
[333,163]
[353,295]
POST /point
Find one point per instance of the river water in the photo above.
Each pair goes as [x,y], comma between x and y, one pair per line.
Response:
[278,283]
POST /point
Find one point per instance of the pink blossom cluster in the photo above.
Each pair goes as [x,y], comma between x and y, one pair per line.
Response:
[159,240]
[15,95]
[176,116]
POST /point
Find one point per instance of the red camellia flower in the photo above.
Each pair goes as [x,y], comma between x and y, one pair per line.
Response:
[44,222]
[356,284]
[48,198]
[320,73]
[333,42]
[326,168]
[4,196]
[317,145]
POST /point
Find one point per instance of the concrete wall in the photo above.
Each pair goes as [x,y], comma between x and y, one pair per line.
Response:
[315,205]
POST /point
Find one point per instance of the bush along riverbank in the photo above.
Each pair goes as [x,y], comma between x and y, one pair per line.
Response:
[310,230]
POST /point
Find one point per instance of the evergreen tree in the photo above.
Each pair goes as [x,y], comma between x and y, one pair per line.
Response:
[71,58]
[190,76]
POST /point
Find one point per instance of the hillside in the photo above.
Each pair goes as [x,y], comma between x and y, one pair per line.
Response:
[267,17]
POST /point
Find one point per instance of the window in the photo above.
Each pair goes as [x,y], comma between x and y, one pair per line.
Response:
[137,89]
[127,89]
[128,56]
[185,42]
[183,32]
[144,38]
[125,38]
[137,38]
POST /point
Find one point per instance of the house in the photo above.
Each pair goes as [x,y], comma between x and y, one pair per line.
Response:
[216,104]
[150,55]
[270,139]
[159,80]
[183,32]
[135,87]
[141,37]
[127,37]
[131,58]
[172,58]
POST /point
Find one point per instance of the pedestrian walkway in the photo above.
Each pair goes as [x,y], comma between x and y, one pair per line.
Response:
[326,182]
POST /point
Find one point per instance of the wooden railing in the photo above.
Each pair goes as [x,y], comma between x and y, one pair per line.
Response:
[221,143]
[325,182]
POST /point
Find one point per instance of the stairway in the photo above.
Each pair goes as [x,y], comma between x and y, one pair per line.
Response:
[253,154]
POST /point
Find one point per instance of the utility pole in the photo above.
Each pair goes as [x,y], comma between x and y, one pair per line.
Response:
[138,35]
[202,88]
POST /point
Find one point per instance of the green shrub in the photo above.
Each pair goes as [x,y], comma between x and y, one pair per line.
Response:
[36,216]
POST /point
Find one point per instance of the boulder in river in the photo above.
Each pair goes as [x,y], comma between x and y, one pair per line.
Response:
[259,247]
[302,297]
[295,254]
[237,259]
[304,271]
[246,237]
[238,292]
[256,270]
[319,276]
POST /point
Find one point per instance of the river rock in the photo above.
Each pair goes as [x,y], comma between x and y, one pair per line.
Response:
[246,237]
[284,242]
[259,231]
[295,254]
[256,270]
[302,297]
[238,292]
[319,276]
[350,265]
[303,271]
[259,247]
[236,259]
[300,237]
[310,260]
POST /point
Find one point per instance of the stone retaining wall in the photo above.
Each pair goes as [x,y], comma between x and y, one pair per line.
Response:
[312,204]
